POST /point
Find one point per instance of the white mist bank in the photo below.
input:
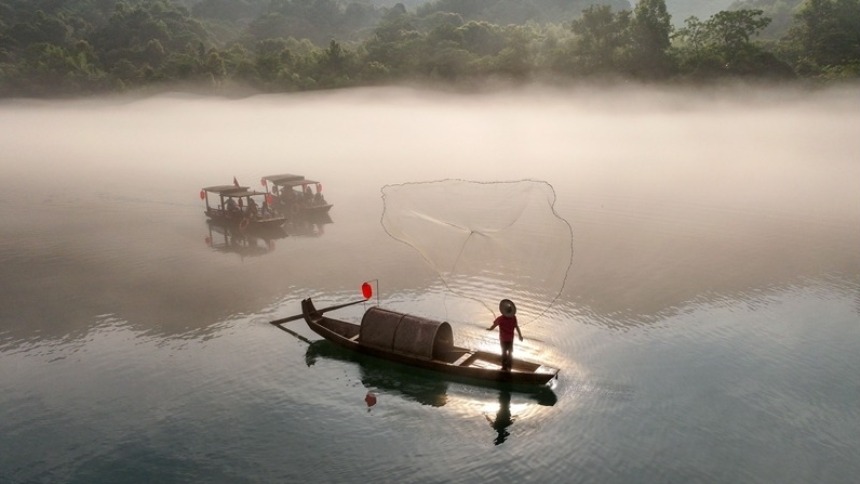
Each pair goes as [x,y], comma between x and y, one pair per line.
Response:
[732,146]
[669,193]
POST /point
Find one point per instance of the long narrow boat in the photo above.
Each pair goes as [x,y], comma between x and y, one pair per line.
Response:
[423,343]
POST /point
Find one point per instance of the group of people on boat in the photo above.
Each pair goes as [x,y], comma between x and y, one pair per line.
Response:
[291,200]
[252,210]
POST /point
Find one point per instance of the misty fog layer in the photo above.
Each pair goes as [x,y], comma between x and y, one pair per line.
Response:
[670,195]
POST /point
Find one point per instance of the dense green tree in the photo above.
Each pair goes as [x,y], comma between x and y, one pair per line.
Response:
[41,28]
[602,40]
[80,46]
[49,68]
[396,44]
[827,34]
[504,12]
[781,13]
[139,32]
[650,31]
[517,59]
[333,66]
[482,38]
[229,10]
[723,45]
[731,30]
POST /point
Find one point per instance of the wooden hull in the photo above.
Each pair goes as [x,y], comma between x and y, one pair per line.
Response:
[316,209]
[303,210]
[239,221]
[460,363]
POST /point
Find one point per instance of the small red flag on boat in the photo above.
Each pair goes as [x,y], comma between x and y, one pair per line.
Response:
[270,199]
[202,194]
[366,290]
[235,182]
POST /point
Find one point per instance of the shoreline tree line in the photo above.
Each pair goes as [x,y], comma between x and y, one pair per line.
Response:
[80,47]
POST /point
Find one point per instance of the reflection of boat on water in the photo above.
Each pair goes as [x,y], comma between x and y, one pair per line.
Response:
[378,375]
[229,240]
[419,385]
[241,208]
[311,226]
[295,196]
[425,344]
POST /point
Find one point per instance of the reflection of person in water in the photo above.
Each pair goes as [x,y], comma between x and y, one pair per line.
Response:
[503,418]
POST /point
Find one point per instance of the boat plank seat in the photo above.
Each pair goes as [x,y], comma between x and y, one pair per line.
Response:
[467,357]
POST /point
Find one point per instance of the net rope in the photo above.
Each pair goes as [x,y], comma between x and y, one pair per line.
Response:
[486,240]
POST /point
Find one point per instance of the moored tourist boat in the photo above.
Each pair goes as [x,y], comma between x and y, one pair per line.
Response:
[239,207]
[296,196]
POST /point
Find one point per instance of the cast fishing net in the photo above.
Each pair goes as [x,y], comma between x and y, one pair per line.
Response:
[486,240]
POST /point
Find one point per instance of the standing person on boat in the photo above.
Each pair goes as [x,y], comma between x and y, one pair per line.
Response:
[231,205]
[252,208]
[507,323]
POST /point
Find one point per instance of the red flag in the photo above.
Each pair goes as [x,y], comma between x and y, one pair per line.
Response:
[235,182]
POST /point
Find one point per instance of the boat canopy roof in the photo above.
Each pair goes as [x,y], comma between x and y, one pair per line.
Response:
[225,189]
[406,334]
[233,191]
[283,178]
[295,183]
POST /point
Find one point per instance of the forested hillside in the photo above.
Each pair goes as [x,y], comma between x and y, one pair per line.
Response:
[74,47]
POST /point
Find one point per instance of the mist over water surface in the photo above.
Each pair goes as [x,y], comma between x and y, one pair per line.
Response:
[707,328]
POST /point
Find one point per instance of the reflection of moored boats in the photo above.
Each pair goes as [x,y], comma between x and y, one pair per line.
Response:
[307,226]
[295,196]
[423,343]
[226,239]
[239,207]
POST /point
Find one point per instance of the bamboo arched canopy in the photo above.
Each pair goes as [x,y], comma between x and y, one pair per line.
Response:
[404,333]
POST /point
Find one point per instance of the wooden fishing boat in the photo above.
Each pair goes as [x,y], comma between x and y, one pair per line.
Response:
[420,342]
[295,196]
[240,208]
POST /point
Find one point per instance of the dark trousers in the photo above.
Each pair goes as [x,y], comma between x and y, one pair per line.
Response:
[507,354]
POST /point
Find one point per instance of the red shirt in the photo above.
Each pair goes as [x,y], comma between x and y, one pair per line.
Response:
[506,327]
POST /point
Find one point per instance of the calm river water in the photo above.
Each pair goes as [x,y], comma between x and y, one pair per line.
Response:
[707,326]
